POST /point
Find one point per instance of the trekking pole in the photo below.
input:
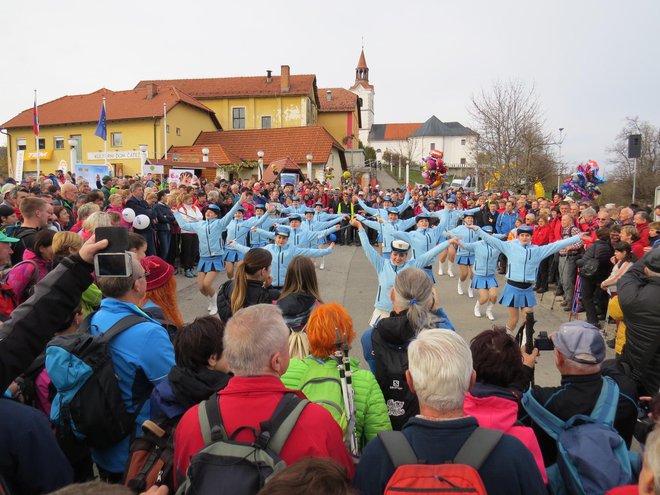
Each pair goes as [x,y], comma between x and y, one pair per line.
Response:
[339,358]
[575,302]
[351,398]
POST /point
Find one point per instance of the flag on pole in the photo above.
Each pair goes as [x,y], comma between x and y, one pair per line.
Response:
[35,116]
[101,127]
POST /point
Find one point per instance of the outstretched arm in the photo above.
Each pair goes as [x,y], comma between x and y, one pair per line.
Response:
[554,247]
[187,226]
[374,258]
[314,253]
[238,247]
[428,257]
[368,209]
[404,236]
[265,233]
[405,203]
[224,221]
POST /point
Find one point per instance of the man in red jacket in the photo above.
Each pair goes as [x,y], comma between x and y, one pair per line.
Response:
[256,345]
[642,220]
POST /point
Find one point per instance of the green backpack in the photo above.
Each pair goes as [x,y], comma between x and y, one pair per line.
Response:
[323,388]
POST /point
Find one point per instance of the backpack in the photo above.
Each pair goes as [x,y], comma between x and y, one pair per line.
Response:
[151,456]
[7,295]
[89,403]
[391,365]
[461,475]
[28,383]
[588,267]
[298,343]
[591,455]
[7,301]
[325,391]
[225,465]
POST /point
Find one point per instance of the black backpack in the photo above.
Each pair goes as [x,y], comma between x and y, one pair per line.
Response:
[391,365]
[227,466]
[89,404]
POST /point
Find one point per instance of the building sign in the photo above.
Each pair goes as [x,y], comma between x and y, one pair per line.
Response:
[18,170]
[185,177]
[43,155]
[152,169]
[114,155]
[291,179]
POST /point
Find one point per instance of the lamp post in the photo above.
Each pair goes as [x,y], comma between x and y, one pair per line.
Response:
[407,172]
[309,167]
[260,168]
[72,148]
[144,149]
[561,165]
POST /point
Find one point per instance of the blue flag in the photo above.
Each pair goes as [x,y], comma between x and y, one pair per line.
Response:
[101,127]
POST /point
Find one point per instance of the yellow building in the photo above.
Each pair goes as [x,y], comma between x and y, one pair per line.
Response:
[257,102]
[155,116]
[339,114]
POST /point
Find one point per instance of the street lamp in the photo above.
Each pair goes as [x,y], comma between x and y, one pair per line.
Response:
[143,154]
[407,172]
[260,161]
[72,147]
[309,167]
[561,165]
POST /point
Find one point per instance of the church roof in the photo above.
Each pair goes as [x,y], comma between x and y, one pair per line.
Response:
[435,127]
[362,63]
[392,132]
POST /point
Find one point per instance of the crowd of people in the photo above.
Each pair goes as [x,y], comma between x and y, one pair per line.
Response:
[104,378]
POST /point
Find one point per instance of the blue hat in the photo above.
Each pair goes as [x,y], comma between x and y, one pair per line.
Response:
[309,210]
[580,341]
[451,200]
[318,203]
[295,216]
[260,206]
[487,228]
[393,210]
[422,216]
[295,198]
[240,208]
[525,229]
[284,231]
[387,197]
[214,207]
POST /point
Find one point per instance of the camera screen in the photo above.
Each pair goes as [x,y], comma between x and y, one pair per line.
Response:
[112,265]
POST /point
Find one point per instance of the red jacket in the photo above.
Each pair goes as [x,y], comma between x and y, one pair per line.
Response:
[247,401]
[541,235]
[555,229]
[643,230]
[638,249]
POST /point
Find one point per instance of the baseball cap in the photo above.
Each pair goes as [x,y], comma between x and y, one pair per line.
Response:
[7,239]
[6,210]
[487,228]
[295,216]
[392,210]
[283,231]
[525,229]
[652,260]
[580,341]
[400,246]
[8,188]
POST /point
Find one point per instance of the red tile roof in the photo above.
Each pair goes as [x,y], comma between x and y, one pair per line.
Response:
[363,84]
[342,100]
[396,132]
[182,164]
[292,142]
[120,105]
[226,87]
[362,63]
[217,154]
[273,170]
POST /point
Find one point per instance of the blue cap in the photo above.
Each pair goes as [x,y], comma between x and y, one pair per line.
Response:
[451,200]
[240,208]
[260,206]
[387,197]
[295,198]
[525,229]
[309,210]
[487,228]
[214,207]
[284,231]
[392,210]
[423,216]
[318,203]
[295,216]
[580,341]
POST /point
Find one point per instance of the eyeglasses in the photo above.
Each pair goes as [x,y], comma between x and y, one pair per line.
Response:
[144,275]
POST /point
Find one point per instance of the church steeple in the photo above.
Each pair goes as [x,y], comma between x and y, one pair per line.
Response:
[362,71]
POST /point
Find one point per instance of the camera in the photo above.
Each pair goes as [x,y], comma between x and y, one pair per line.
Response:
[543,342]
[113,261]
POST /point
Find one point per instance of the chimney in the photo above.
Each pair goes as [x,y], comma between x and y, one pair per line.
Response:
[328,95]
[152,90]
[269,76]
[284,80]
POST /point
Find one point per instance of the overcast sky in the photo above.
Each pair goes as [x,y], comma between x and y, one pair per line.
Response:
[593,62]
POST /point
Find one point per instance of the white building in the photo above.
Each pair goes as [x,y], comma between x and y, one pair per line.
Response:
[365,92]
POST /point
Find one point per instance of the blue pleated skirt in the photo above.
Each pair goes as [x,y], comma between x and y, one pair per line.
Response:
[513,297]
[484,282]
[232,256]
[211,264]
[429,272]
[465,260]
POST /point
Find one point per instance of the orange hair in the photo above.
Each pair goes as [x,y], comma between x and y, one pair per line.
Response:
[165,298]
[322,327]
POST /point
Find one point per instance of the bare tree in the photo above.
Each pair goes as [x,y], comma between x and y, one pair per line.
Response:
[648,165]
[408,149]
[513,144]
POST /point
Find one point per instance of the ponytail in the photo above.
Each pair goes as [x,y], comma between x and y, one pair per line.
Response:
[413,290]
[239,289]
[255,260]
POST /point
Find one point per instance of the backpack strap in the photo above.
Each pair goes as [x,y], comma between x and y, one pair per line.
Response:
[550,423]
[123,324]
[281,423]
[210,420]
[604,411]
[398,448]
[478,447]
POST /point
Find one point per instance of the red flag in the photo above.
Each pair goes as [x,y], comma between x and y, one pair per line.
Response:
[35,118]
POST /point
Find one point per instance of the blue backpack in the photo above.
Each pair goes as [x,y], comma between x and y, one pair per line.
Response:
[592,458]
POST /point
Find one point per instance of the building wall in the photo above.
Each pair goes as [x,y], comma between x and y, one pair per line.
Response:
[367,110]
[420,147]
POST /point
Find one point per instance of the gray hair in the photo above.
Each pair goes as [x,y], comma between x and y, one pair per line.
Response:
[652,457]
[97,219]
[135,186]
[440,363]
[118,287]
[252,336]
[413,290]
[87,209]
[215,195]
[589,212]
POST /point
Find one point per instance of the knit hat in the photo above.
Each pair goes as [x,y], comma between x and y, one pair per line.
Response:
[158,272]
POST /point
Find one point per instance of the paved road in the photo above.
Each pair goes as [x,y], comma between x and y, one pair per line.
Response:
[349,279]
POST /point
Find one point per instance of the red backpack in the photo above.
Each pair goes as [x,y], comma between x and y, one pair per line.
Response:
[461,475]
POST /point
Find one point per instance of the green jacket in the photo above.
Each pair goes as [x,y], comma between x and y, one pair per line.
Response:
[371,411]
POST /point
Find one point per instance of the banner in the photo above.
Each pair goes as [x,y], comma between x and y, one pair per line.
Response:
[185,177]
[152,169]
[18,169]
[91,173]
[286,178]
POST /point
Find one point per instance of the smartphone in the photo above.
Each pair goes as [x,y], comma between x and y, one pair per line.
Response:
[113,264]
[117,238]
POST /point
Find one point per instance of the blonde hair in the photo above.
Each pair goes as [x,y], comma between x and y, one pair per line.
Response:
[86,210]
[64,241]
[95,220]
[113,197]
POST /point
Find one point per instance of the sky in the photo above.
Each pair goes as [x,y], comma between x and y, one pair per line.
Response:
[592,62]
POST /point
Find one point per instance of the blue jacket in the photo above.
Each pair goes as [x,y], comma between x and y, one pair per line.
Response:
[523,260]
[387,228]
[300,209]
[239,230]
[485,258]
[301,237]
[382,212]
[282,256]
[387,272]
[505,222]
[466,235]
[322,216]
[420,240]
[449,218]
[209,232]
[258,240]
[142,357]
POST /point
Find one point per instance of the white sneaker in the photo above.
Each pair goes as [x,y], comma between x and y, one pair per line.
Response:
[210,298]
[460,289]
[213,305]
[322,266]
[477,310]
[470,292]
[440,270]
[489,311]
[449,271]
[511,333]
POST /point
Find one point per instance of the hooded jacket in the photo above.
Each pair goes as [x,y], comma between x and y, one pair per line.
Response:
[296,308]
[255,294]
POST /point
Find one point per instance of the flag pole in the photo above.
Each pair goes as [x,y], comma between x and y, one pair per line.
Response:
[105,141]
[36,134]
[165,128]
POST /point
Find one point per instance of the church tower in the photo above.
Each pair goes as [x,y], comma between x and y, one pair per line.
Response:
[365,91]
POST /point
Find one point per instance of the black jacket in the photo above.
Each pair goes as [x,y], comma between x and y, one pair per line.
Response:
[24,336]
[164,216]
[141,207]
[639,297]
[296,309]
[602,251]
[256,294]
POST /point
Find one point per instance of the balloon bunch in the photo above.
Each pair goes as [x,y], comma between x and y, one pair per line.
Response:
[584,183]
[328,173]
[434,169]
[139,222]
[346,176]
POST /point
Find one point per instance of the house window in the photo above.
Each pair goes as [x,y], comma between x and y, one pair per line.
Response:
[265,122]
[238,118]
[463,161]
[462,142]
[42,143]
[178,131]
[59,143]
[21,144]
[167,128]
[116,139]
[78,139]
[432,146]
